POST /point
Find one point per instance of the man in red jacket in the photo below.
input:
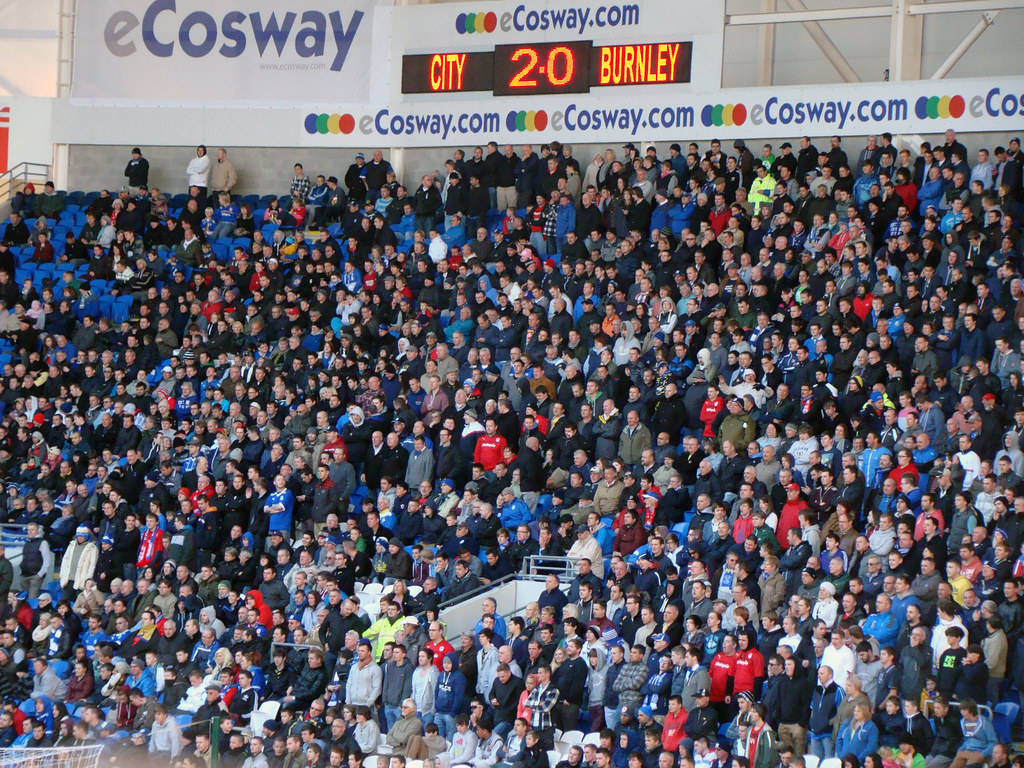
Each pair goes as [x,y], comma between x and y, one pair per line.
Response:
[789,516]
[490,448]
[672,732]
[723,673]
[749,666]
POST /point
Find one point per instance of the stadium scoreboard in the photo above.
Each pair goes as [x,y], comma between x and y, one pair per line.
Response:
[547,68]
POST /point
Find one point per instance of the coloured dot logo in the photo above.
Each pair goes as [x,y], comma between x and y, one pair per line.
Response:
[470,23]
[333,124]
[523,120]
[719,115]
[939,107]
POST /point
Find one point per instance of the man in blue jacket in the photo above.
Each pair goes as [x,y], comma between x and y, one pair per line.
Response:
[512,512]
[883,625]
[979,736]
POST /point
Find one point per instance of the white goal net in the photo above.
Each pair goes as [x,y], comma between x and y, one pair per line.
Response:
[51,757]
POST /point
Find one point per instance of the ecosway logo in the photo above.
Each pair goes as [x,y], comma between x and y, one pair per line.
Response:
[727,115]
[939,107]
[333,124]
[198,34]
[527,121]
[468,23]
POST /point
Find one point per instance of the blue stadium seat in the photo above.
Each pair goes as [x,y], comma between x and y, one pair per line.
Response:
[1003,719]
[91,307]
[544,503]
[122,308]
[106,306]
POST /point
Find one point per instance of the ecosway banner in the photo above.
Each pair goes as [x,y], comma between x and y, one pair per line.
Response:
[257,51]
[928,107]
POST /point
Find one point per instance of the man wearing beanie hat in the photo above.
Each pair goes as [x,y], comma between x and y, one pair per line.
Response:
[79,562]
[399,562]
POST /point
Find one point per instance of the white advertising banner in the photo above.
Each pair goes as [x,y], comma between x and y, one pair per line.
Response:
[260,51]
[654,113]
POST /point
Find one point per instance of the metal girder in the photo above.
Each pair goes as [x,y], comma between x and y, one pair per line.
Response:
[788,17]
[979,29]
[828,48]
[870,12]
[962,6]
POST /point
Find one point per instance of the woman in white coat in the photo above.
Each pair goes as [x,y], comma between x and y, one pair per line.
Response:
[79,562]
[198,173]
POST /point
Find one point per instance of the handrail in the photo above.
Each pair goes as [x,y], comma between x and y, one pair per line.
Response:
[477,592]
[13,533]
[15,179]
[564,567]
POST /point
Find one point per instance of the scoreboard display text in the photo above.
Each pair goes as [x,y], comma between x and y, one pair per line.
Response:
[547,68]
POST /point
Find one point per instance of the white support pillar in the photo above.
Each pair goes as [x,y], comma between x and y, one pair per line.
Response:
[60,161]
[396,156]
[766,75]
[65,46]
[905,39]
[979,29]
[824,42]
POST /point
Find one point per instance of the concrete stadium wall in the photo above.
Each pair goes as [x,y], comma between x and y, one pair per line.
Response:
[510,597]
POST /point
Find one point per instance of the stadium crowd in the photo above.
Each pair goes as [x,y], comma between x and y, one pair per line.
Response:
[768,406]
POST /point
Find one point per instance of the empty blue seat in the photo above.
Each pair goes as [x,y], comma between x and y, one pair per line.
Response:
[1004,715]
[122,309]
[106,306]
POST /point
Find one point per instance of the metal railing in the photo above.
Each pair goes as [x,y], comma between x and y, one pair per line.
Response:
[540,566]
[13,534]
[15,179]
[478,592]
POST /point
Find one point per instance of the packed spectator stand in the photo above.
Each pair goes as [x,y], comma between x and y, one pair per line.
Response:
[755,420]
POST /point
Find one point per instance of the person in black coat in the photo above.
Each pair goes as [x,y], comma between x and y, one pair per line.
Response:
[794,701]
[504,698]
[16,232]
[570,679]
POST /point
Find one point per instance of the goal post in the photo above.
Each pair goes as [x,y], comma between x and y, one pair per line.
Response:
[51,757]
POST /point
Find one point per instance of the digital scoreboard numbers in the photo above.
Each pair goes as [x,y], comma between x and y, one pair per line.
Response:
[547,68]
